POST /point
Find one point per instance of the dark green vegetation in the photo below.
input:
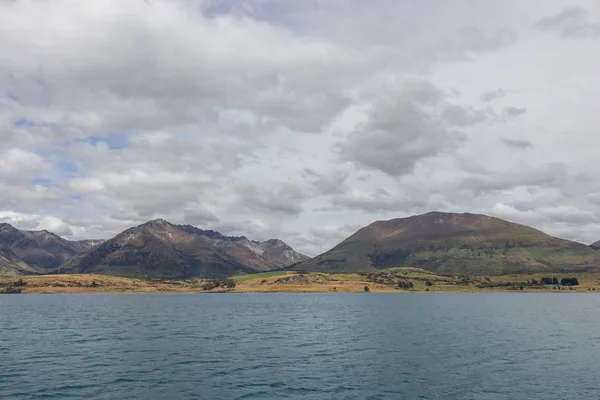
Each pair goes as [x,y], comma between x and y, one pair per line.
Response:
[454,244]
[219,283]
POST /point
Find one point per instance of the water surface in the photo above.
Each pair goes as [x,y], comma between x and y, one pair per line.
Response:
[300,346]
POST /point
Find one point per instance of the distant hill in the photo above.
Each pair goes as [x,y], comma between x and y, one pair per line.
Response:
[596,245]
[35,251]
[159,249]
[454,244]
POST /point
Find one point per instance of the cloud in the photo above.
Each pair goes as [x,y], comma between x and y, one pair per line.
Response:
[513,112]
[248,116]
[282,198]
[381,200]
[400,131]
[493,95]
[331,182]
[573,22]
[199,216]
[547,175]
[463,116]
[18,165]
[517,143]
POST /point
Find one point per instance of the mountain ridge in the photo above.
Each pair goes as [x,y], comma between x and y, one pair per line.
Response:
[25,251]
[159,249]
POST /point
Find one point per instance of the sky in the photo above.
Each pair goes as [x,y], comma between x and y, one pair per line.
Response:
[302,120]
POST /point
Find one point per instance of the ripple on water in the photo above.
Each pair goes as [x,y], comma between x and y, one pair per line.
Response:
[346,346]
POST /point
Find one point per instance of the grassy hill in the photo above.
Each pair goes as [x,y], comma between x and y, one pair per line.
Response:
[454,244]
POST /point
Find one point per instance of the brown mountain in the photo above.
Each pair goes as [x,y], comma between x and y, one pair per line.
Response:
[159,249]
[454,244]
[35,251]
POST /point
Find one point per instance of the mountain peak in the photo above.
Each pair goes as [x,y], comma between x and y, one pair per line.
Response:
[7,227]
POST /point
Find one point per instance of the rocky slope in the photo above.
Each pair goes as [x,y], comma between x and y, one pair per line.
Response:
[454,244]
[35,251]
[159,249]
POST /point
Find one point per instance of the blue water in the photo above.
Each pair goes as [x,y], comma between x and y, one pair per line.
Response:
[300,346]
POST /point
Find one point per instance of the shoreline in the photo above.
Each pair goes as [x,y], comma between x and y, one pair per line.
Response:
[293,282]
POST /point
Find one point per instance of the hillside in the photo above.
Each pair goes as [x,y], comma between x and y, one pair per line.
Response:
[454,244]
[159,249]
[35,251]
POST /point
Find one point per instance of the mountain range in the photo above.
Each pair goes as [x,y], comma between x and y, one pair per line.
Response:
[156,249]
[445,243]
[36,251]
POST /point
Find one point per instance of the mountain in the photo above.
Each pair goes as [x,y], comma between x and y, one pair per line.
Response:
[454,244]
[83,245]
[159,249]
[11,264]
[596,245]
[35,251]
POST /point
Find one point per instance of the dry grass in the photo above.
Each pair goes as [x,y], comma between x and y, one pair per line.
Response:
[300,283]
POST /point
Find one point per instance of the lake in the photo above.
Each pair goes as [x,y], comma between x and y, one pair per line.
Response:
[300,346]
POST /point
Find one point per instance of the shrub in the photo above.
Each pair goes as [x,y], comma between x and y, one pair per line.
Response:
[428,283]
[405,285]
[20,282]
[569,282]
[366,288]
[228,283]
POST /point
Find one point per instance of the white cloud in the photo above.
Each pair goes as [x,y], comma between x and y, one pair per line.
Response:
[304,120]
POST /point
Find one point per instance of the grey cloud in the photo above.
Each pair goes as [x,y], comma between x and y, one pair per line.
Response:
[463,116]
[199,216]
[473,39]
[398,133]
[422,91]
[573,22]
[567,214]
[295,81]
[283,198]
[517,143]
[382,200]
[329,182]
[513,112]
[542,176]
[493,95]
[321,238]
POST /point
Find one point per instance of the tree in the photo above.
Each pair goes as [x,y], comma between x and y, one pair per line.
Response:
[405,285]
[229,283]
[428,283]
[366,288]
[569,282]
[555,281]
